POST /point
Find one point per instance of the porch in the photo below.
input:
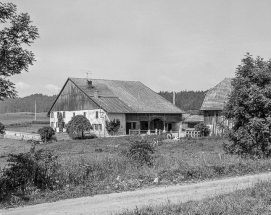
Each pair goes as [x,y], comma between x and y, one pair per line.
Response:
[152,122]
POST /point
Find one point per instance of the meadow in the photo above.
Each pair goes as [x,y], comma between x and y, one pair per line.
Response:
[13,118]
[99,166]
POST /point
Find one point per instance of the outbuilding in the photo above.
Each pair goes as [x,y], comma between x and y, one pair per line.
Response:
[213,105]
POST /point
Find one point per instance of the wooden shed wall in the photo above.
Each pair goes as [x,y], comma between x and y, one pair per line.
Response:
[72,98]
[212,116]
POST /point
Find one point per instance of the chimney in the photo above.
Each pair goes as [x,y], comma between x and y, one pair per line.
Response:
[96,94]
[89,83]
[173,97]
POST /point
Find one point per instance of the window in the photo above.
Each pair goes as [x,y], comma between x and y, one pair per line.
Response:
[56,124]
[57,114]
[96,127]
[97,114]
[64,114]
[100,127]
[133,125]
[73,114]
[52,114]
[85,114]
[52,124]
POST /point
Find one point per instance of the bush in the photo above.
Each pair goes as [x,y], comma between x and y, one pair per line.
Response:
[2,128]
[113,126]
[204,129]
[141,152]
[26,171]
[46,133]
[77,126]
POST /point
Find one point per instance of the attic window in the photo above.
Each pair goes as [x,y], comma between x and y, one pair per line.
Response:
[52,114]
[97,114]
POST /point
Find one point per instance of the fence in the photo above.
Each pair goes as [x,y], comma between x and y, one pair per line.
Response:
[21,136]
[173,134]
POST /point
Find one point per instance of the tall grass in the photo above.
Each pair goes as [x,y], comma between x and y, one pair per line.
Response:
[251,201]
[83,170]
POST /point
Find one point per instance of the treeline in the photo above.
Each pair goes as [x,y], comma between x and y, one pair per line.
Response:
[27,104]
[185,100]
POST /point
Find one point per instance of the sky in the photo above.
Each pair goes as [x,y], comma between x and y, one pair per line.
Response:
[168,45]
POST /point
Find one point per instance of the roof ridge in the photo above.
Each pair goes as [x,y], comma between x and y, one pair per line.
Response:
[104,79]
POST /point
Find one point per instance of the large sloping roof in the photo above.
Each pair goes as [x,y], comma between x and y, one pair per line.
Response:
[125,96]
[216,98]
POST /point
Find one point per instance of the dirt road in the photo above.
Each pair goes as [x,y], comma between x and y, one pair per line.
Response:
[117,202]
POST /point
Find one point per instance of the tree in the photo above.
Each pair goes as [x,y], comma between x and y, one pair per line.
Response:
[204,129]
[13,57]
[46,133]
[77,126]
[249,108]
[2,128]
[113,126]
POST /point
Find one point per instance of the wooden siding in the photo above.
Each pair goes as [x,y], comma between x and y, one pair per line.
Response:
[72,99]
[216,121]
[212,116]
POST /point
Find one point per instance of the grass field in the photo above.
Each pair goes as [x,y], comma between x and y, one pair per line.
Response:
[90,167]
[251,201]
[12,118]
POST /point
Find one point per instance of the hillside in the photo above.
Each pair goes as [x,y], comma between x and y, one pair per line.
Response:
[186,100]
[27,104]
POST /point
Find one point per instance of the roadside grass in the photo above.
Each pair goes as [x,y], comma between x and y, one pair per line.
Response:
[99,166]
[11,118]
[251,201]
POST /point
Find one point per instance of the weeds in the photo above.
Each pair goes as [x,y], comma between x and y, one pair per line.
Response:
[89,167]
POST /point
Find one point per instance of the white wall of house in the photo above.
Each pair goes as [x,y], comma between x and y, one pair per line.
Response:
[96,117]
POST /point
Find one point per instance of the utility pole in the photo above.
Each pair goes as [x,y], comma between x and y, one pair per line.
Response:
[35,111]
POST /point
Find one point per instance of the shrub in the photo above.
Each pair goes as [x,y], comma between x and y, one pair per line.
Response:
[141,152]
[204,129]
[77,126]
[27,171]
[46,133]
[113,126]
[2,128]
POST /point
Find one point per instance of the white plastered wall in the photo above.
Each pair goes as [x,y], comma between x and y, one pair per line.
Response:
[90,115]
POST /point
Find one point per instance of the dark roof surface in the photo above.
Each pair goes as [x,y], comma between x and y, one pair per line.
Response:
[216,98]
[125,96]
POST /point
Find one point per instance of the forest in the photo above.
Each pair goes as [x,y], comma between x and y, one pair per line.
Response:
[27,104]
[186,100]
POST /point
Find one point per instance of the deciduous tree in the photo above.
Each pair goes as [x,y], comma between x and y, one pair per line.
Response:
[249,108]
[77,126]
[17,32]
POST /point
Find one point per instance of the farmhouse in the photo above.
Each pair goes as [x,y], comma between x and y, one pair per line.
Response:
[213,104]
[135,105]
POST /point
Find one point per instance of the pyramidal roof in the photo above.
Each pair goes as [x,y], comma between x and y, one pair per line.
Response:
[125,96]
[216,98]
